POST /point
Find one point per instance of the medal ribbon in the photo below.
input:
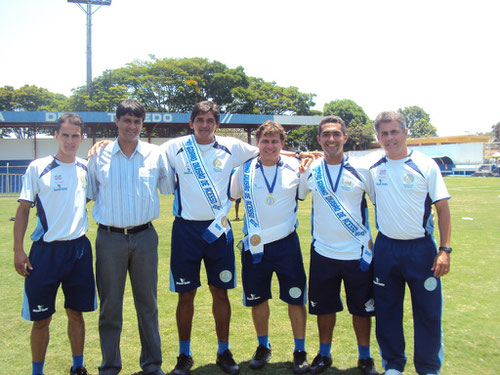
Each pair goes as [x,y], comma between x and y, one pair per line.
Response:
[207,188]
[270,188]
[358,231]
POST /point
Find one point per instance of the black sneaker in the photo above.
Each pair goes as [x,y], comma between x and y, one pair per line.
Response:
[300,365]
[78,371]
[227,363]
[261,357]
[319,364]
[367,366]
[184,364]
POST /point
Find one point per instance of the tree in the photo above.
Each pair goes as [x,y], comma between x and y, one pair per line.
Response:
[29,98]
[413,115]
[422,129]
[358,126]
[303,138]
[495,129]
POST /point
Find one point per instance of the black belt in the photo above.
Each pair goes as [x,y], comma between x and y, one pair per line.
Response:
[126,231]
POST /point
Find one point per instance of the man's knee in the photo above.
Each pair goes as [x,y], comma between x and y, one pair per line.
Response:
[74,316]
[43,324]
[219,294]
[186,298]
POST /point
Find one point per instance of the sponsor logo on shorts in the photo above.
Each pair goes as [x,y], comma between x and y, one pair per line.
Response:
[370,305]
[225,276]
[40,308]
[182,282]
[253,297]
[430,284]
[313,304]
[378,282]
[295,292]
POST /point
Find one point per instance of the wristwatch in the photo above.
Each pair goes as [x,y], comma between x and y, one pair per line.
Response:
[445,248]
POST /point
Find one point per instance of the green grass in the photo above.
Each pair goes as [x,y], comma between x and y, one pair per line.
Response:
[471,295]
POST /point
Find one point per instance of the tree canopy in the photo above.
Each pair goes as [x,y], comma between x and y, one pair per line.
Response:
[358,126]
[418,122]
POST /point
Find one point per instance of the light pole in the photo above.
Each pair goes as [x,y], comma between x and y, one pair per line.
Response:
[88,11]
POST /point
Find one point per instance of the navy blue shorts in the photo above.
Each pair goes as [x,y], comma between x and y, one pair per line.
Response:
[59,262]
[283,257]
[188,249]
[325,277]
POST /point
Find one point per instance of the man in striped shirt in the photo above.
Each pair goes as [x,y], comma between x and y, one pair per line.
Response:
[124,178]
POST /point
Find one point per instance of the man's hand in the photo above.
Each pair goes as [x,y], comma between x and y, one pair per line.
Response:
[22,263]
[307,158]
[441,264]
[93,150]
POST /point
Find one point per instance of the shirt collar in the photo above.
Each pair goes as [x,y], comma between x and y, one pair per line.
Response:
[116,148]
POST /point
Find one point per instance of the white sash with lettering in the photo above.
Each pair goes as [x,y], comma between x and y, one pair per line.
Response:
[358,231]
[220,224]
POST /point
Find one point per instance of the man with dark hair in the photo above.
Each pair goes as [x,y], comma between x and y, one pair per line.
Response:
[201,231]
[269,185]
[341,243]
[405,185]
[124,177]
[61,253]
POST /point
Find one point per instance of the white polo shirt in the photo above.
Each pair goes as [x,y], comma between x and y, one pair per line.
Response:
[59,191]
[330,238]
[225,154]
[404,191]
[285,193]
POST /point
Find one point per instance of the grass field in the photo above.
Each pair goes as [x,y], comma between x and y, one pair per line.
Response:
[471,295]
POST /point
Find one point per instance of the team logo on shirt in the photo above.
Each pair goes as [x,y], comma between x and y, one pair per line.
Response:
[346,183]
[83,181]
[381,178]
[295,292]
[188,170]
[225,276]
[408,180]
[58,180]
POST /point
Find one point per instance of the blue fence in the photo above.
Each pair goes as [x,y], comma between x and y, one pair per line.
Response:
[11,173]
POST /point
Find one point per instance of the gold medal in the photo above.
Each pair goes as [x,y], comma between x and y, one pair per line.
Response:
[270,200]
[223,221]
[255,240]
[217,163]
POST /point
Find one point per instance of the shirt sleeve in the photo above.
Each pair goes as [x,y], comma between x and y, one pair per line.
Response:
[245,152]
[435,183]
[166,176]
[304,188]
[29,188]
[236,189]
[92,185]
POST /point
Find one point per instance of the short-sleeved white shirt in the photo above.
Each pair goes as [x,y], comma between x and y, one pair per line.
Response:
[404,191]
[126,189]
[220,160]
[330,239]
[59,191]
[285,192]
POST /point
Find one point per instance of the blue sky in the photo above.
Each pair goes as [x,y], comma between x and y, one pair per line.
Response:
[443,56]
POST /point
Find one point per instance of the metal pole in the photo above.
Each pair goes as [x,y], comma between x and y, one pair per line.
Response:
[89,49]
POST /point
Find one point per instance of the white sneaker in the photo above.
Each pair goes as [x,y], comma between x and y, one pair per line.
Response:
[392,371]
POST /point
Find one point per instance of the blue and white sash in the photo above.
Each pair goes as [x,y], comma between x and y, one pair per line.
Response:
[358,231]
[220,224]
[258,237]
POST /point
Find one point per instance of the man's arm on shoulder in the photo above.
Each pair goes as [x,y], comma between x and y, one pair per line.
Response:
[21,260]
[441,264]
